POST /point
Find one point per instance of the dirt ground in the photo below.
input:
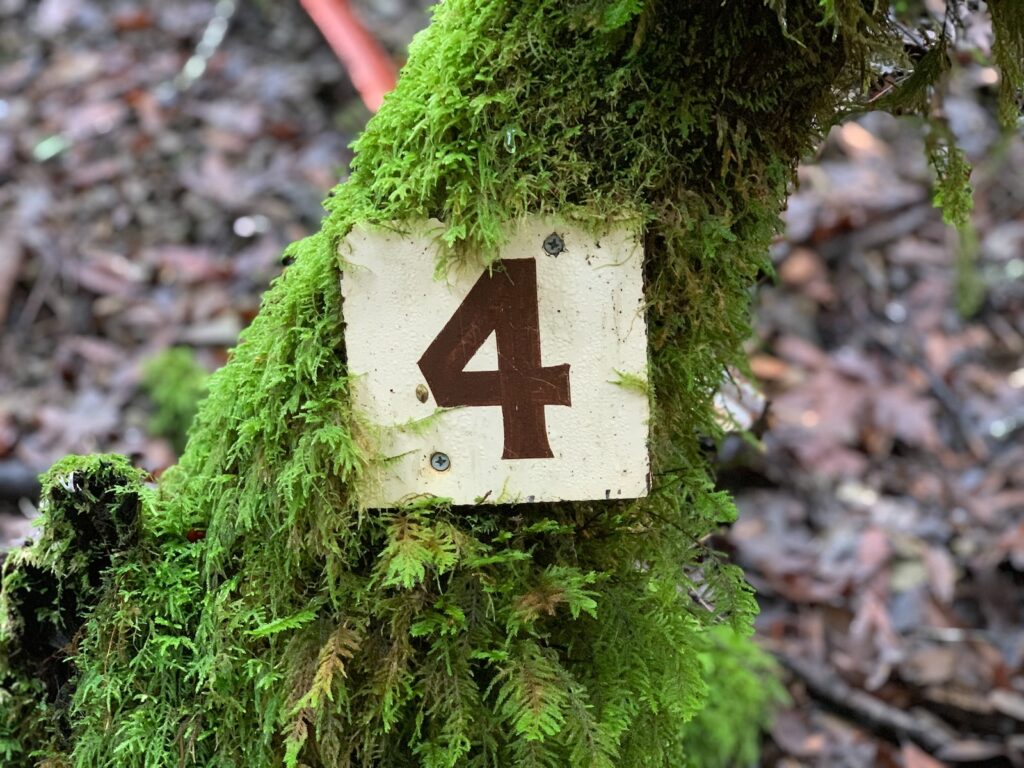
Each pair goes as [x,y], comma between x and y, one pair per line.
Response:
[144,203]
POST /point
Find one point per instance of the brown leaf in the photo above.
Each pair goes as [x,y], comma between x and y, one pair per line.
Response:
[215,179]
[801,268]
[1008,702]
[873,550]
[915,757]
[901,412]
[827,404]
[133,19]
[768,368]
[941,574]
[95,118]
[793,734]
[801,352]
[859,143]
[186,264]
[930,665]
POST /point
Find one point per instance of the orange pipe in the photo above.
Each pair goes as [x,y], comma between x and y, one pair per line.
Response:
[372,71]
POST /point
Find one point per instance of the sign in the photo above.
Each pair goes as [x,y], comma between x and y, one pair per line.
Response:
[523,382]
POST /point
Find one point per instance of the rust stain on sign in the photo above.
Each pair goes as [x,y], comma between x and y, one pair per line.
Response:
[500,385]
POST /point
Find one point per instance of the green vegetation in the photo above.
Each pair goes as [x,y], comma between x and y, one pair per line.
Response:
[744,688]
[93,509]
[265,618]
[175,382]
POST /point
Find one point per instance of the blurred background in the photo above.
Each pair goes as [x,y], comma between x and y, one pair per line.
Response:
[155,158]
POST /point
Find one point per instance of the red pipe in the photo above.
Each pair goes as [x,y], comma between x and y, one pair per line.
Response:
[371,69]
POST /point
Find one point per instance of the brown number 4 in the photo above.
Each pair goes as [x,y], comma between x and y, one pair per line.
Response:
[502,302]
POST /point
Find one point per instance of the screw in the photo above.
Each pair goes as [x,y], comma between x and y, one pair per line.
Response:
[553,244]
[440,462]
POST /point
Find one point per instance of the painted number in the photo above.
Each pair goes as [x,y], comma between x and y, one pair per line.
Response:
[502,302]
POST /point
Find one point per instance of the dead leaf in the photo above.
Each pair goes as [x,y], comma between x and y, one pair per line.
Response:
[873,551]
[942,574]
[768,368]
[186,264]
[930,665]
[94,118]
[915,757]
[901,412]
[801,352]
[791,732]
[54,16]
[803,269]
[971,751]
[1008,702]
[133,19]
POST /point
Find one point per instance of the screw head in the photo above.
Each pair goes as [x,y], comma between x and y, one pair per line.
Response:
[553,244]
[440,462]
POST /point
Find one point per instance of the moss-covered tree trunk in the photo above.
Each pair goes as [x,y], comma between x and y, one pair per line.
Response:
[258,615]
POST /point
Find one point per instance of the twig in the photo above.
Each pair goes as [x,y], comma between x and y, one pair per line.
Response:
[931,733]
[371,69]
[196,64]
[11,254]
[40,293]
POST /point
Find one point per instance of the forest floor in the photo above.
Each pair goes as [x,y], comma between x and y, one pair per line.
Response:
[882,518]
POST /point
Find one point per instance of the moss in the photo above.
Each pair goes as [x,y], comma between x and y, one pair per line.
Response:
[175,382]
[266,618]
[1008,51]
[92,510]
[745,689]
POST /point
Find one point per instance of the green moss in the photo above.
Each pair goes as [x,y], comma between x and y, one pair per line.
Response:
[92,510]
[266,618]
[175,382]
[633,382]
[745,689]
[953,193]
[1008,51]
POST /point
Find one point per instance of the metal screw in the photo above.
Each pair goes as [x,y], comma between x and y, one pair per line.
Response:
[553,244]
[440,462]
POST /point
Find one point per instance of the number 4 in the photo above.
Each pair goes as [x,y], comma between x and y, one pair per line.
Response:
[502,302]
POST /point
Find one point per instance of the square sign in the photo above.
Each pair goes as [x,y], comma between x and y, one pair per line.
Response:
[525,382]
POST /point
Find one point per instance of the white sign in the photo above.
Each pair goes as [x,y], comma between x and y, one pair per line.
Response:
[526,382]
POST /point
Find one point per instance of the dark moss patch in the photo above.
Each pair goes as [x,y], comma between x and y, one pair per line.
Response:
[92,512]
